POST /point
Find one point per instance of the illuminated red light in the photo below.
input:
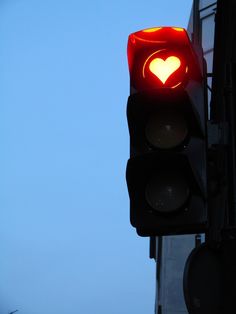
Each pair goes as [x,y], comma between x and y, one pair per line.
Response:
[163,69]
[161,57]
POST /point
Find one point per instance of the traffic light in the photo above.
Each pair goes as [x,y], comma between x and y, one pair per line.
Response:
[166,111]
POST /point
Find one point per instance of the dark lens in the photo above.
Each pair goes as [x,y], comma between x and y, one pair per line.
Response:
[167,192]
[166,130]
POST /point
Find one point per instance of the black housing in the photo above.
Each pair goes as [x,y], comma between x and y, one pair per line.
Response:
[188,158]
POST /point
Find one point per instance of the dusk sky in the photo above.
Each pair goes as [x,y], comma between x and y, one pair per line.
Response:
[66,243]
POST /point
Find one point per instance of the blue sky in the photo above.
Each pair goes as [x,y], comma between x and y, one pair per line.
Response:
[66,245]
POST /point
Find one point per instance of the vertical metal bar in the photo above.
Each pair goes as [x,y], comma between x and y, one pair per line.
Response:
[222,107]
[158,306]
[152,247]
[223,112]
[230,102]
[196,24]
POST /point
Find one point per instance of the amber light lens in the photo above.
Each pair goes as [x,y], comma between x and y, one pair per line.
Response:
[166,130]
[167,192]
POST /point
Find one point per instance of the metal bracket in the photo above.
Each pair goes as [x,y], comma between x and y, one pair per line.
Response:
[218,133]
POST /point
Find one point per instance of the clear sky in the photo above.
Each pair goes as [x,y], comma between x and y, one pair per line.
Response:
[66,245]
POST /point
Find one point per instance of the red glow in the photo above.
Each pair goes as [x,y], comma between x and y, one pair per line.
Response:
[161,57]
[164,68]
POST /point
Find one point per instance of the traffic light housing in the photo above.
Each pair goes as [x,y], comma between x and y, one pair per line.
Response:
[166,111]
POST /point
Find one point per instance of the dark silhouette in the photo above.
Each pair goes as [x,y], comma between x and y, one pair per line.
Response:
[13,312]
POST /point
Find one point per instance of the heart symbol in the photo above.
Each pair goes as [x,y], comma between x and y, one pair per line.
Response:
[164,68]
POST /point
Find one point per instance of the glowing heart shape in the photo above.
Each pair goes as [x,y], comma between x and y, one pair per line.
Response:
[164,68]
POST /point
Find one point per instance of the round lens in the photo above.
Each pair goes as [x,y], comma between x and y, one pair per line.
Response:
[166,130]
[167,192]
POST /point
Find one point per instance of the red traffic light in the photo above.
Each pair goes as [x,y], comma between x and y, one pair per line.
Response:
[161,57]
[163,69]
